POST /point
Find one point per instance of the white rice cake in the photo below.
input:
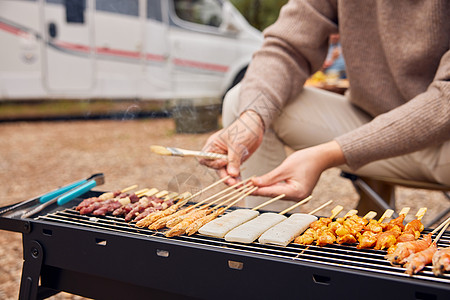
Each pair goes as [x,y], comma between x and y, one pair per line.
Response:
[221,226]
[283,233]
[250,231]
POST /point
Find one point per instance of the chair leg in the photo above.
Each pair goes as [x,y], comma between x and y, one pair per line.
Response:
[441,215]
[374,195]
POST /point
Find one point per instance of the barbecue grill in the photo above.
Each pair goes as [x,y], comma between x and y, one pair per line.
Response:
[108,258]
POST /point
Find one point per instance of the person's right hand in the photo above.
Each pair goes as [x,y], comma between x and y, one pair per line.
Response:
[238,141]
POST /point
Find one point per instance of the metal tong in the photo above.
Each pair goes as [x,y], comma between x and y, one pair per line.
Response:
[60,196]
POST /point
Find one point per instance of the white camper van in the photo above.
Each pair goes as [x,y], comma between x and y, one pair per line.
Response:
[116,49]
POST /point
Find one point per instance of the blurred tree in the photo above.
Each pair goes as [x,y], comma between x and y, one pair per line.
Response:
[259,13]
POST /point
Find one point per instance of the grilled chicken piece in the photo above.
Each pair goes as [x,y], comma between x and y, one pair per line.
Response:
[154,216]
[322,222]
[394,222]
[441,261]
[367,240]
[307,238]
[405,249]
[326,237]
[373,226]
[417,261]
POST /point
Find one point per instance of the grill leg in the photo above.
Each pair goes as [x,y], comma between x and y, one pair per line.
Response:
[31,271]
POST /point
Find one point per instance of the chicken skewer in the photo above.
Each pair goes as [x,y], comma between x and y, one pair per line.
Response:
[368,238]
[181,227]
[286,231]
[178,216]
[160,214]
[396,235]
[310,235]
[327,235]
[251,230]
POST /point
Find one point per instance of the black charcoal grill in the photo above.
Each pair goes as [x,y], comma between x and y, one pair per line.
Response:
[107,258]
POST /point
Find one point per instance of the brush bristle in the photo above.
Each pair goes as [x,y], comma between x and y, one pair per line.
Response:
[160,150]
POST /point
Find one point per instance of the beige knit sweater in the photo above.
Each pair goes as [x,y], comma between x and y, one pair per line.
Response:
[398,64]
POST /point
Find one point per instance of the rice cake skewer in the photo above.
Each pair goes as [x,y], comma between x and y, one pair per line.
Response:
[194,227]
[181,227]
[286,231]
[251,230]
[219,227]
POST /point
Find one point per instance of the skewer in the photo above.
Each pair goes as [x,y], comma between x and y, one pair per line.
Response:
[284,232]
[195,226]
[440,226]
[179,216]
[295,205]
[421,213]
[181,227]
[171,151]
[250,231]
[320,207]
[444,228]
[218,228]
[152,217]
[268,202]
[370,215]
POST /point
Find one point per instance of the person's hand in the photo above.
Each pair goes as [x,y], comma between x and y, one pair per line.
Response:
[297,176]
[238,141]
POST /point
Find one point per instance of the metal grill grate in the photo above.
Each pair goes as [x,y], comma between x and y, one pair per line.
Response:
[342,256]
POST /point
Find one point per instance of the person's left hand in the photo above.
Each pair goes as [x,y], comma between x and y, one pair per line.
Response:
[297,176]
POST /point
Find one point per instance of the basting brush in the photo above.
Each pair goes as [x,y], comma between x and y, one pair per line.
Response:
[171,151]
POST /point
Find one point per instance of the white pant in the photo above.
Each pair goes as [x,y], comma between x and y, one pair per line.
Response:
[317,116]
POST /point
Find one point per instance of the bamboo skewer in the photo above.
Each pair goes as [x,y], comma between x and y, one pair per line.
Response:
[181,227]
[295,205]
[386,215]
[320,207]
[444,226]
[268,202]
[178,217]
[195,226]
[160,214]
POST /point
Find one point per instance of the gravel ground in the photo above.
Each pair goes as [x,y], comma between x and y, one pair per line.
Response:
[38,157]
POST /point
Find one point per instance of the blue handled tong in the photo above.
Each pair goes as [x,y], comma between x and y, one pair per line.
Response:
[61,195]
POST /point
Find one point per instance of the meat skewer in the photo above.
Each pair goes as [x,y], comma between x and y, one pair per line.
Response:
[285,232]
[102,197]
[368,238]
[327,235]
[312,233]
[125,209]
[417,261]
[219,227]
[398,236]
[96,204]
[156,202]
[181,227]
[177,217]
[152,217]
[251,230]
[351,228]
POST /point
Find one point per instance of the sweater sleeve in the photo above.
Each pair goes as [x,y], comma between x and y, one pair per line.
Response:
[421,122]
[294,47]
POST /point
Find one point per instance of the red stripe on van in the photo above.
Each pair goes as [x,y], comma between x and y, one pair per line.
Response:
[11,29]
[200,65]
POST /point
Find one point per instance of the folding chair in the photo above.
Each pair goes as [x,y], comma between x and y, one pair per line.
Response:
[384,196]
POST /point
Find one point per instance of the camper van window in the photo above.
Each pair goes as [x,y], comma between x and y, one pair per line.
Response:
[75,11]
[205,12]
[129,7]
[154,10]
